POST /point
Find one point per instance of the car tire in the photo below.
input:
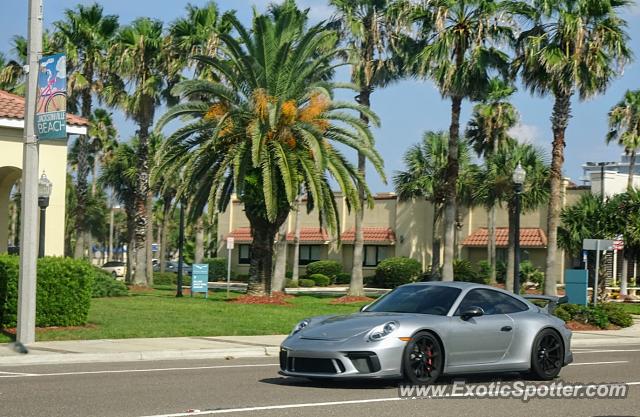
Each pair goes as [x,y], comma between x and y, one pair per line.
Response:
[547,355]
[423,359]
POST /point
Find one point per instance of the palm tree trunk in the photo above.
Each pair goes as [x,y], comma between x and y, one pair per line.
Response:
[632,168]
[435,245]
[491,244]
[560,120]
[198,255]
[450,193]
[296,243]
[356,285]
[149,239]
[142,189]
[509,280]
[261,266]
[625,273]
[281,260]
[164,235]
[131,226]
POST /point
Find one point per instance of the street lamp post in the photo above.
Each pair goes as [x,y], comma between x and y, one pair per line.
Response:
[519,175]
[44,192]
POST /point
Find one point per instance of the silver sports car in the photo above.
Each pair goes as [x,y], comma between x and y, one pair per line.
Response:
[424,330]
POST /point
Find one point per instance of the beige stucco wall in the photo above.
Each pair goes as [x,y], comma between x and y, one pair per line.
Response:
[53,160]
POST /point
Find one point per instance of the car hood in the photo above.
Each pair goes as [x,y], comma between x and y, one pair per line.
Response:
[344,327]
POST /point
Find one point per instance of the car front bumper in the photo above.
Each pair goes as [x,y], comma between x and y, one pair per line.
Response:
[341,359]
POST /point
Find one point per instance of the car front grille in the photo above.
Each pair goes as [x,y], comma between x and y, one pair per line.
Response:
[310,365]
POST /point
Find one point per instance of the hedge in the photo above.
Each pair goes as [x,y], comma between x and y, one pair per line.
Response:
[63,294]
[306,283]
[169,278]
[217,269]
[320,280]
[392,272]
[328,268]
[601,315]
[343,278]
[105,286]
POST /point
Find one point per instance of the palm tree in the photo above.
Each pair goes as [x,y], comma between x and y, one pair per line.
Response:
[488,130]
[85,35]
[458,45]
[119,174]
[12,73]
[575,47]
[495,180]
[137,55]
[424,177]
[102,135]
[366,26]
[268,130]
[624,127]
[197,34]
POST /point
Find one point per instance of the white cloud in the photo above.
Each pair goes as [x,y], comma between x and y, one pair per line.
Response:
[526,133]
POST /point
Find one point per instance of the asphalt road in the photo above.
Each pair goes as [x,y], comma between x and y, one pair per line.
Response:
[244,387]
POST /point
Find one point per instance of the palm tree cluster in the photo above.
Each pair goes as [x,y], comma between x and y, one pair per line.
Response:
[260,119]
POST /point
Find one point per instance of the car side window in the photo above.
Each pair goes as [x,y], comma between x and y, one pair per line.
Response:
[491,302]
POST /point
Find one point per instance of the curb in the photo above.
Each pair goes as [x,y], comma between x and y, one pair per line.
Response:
[63,358]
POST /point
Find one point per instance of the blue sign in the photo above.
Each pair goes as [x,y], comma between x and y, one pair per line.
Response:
[51,105]
[200,278]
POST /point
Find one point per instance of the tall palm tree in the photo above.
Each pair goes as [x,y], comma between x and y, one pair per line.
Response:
[102,140]
[119,174]
[624,128]
[138,56]
[488,130]
[267,130]
[459,45]
[424,177]
[366,27]
[495,180]
[85,34]
[576,47]
[197,34]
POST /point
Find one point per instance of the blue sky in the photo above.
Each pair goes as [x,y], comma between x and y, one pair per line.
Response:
[407,108]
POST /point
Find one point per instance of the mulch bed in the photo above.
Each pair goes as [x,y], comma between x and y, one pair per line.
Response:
[276,298]
[348,300]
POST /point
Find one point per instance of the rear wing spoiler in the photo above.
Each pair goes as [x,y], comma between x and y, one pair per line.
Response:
[547,303]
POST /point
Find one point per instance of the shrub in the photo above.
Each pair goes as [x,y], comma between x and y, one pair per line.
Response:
[217,269]
[63,295]
[343,278]
[529,273]
[242,278]
[501,272]
[562,314]
[306,283]
[105,286]
[170,278]
[288,274]
[321,280]
[328,268]
[484,270]
[289,283]
[392,272]
[617,315]
[463,271]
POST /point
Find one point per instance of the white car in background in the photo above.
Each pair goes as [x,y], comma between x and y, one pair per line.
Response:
[115,268]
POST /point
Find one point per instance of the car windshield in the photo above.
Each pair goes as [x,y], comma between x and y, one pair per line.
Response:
[421,299]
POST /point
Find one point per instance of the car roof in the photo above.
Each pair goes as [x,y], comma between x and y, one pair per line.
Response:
[453,284]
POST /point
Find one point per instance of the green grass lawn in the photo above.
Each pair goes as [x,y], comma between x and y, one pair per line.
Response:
[161,314]
[631,308]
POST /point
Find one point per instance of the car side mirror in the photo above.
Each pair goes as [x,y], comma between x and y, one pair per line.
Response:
[364,307]
[471,312]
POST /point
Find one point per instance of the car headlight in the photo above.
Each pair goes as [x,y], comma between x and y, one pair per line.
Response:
[299,326]
[382,331]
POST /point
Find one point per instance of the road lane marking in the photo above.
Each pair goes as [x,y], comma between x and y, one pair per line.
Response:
[124,371]
[14,373]
[277,407]
[597,363]
[606,351]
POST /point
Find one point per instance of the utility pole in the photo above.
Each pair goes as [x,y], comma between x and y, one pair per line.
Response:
[26,331]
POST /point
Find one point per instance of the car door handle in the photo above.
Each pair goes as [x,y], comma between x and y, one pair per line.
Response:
[506,329]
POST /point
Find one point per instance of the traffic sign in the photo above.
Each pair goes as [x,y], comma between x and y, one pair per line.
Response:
[230,243]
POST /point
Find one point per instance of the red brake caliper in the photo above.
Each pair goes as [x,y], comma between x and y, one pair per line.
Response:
[429,358]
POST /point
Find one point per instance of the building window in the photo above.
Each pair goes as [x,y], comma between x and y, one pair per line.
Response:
[308,254]
[374,254]
[244,254]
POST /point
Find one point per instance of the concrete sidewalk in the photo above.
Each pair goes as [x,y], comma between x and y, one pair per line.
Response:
[218,347]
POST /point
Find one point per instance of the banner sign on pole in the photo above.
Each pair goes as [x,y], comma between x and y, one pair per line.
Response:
[230,243]
[200,279]
[51,105]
